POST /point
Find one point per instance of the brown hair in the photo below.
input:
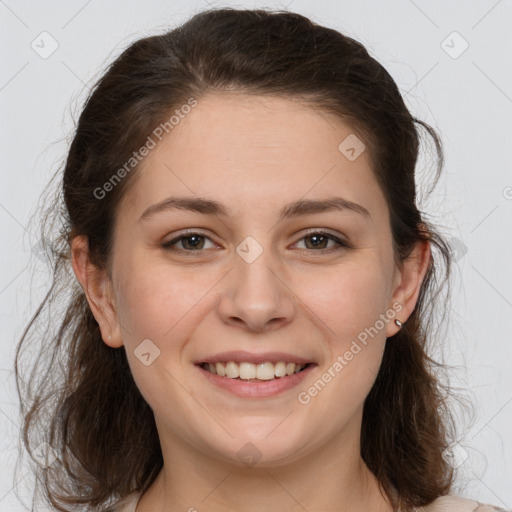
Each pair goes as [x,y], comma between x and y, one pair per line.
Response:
[81,396]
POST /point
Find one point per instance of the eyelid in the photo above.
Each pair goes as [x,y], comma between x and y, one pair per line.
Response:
[322,231]
[340,241]
[184,234]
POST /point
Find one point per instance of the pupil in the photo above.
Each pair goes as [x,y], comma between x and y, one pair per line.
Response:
[193,237]
[319,239]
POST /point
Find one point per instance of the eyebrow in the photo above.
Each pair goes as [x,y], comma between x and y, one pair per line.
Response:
[295,209]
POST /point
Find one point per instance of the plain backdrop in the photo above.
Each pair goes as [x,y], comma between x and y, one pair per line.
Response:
[452,63]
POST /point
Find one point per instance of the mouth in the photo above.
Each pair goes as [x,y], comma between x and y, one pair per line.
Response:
[244,370]
[263,377]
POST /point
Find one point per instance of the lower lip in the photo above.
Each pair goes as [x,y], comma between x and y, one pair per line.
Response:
[265,388]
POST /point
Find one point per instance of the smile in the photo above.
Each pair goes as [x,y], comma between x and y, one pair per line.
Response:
[255,380]
[253,372]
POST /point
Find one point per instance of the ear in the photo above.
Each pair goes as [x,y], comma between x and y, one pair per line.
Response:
[407,283]
[98,290]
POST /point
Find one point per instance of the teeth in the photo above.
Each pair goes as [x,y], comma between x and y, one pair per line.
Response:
[232,370]
[290,368]
[248,371]
[265,371]
[221,370]
[280,369]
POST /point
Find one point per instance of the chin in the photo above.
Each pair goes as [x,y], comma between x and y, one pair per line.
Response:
[260,444]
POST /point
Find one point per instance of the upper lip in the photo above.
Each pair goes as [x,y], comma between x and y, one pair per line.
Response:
[243,356]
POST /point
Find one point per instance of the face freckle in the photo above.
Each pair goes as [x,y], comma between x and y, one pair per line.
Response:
[254,157]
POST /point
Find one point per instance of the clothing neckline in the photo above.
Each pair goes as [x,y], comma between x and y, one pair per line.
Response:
[130,503]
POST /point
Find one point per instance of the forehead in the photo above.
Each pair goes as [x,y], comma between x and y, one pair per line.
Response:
[254,148]
[258,125]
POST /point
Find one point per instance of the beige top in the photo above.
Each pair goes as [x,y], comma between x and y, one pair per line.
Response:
[443,504]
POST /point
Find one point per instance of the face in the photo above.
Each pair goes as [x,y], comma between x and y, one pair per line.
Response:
[237,282]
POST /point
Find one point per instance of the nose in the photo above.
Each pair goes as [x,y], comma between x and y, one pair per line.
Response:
[255,297]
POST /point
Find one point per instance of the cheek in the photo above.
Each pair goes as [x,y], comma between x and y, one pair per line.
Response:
[348,303]
[346,299]
[160,305]
[160,302]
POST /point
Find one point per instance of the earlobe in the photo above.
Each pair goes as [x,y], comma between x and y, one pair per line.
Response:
[410,278]
[97,288]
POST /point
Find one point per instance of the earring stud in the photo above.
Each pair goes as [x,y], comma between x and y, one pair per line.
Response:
[398,323]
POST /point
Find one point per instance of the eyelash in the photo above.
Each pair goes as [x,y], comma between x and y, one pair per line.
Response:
[341,244]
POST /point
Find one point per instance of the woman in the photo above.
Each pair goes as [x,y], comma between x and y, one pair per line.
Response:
[249,323]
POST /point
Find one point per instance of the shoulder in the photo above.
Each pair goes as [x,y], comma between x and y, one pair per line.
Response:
[451,503]
[446,503]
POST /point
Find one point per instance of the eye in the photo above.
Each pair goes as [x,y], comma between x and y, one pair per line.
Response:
[190,242]
[320,238]
[195,242]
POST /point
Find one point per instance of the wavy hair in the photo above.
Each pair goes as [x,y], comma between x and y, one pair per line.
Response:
[79,400]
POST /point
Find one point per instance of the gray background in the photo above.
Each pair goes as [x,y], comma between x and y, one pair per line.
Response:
[464,93]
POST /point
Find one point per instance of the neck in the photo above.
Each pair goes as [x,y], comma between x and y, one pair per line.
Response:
[333,477]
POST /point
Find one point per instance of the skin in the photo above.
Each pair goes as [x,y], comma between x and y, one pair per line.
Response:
[255,155]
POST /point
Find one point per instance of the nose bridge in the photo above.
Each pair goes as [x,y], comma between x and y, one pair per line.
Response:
[254,293]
